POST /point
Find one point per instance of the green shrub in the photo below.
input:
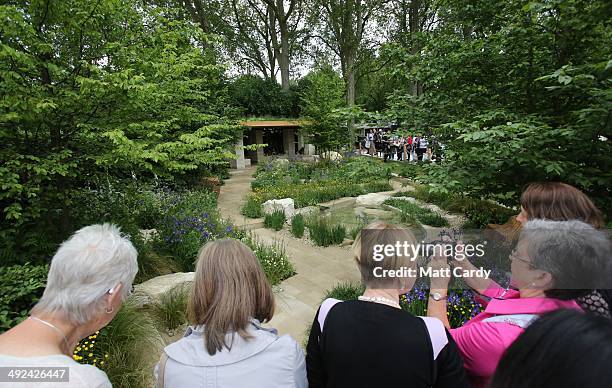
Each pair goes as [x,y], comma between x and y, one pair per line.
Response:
[482,213]
[354,230]
[297,225]
[403,194]
[151,264]
[189,222]
[309,194]
[133,345]
[273,259]
[274,173]
[433,219]
[345,291]
[21,286]
[409,218]
[275,220]
[412,171]
[252,208]
[325,233]
[411,213]
[452,202]
[479,212]
[324,181]
[170,311]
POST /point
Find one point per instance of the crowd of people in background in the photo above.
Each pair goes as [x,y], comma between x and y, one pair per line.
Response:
[540,333]
[390,145]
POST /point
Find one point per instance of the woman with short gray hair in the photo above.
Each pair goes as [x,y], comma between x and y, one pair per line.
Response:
[90,276]
[554,263]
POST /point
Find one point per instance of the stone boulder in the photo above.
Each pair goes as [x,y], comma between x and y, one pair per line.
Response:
[152,289]
[306,211]
[331,155]
[286,205]
[372,199]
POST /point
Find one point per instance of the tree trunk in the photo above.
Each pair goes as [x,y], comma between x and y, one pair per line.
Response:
[283,60]
[350,80]
[350,96]
[414,29]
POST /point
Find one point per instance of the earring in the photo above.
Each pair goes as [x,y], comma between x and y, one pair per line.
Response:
[107,310]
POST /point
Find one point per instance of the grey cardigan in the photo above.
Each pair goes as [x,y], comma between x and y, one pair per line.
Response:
[264,361]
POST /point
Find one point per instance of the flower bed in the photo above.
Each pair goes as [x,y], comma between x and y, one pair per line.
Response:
[310,194]
[462,305]
[311,184]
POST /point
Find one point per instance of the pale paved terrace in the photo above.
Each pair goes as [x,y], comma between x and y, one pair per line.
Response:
[318,269]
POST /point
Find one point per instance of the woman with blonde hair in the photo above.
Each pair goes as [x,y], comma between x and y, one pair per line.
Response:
[226,346]
[372,342]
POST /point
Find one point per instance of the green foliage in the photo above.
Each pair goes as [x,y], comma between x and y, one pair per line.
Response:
[297,225]
[170,312]
[256,96]
[517,92]
[479,213]
[411,212]
[312,193]
[345,291]
[273,259]
[323,181]
[96,90]
[356,169]
[275,220]
[132,343]
[275,173]
[190,220]
[182,220]
[324,232]
[322,94]
[252,208]
[20,288]
[354,230]
[482,213]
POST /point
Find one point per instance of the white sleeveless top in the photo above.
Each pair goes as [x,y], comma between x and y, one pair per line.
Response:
[80,376]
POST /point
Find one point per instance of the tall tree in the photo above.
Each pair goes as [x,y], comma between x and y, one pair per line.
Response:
[343,29]
[253,35]
[286,27]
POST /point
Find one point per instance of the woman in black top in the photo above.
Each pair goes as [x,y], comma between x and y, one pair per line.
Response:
[373,343]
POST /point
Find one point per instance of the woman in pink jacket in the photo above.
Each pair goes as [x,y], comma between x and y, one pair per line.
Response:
[554,263]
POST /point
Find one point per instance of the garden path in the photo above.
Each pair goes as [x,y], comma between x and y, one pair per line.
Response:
[318,269]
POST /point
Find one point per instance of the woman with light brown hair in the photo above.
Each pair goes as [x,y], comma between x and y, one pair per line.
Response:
[226,346]
[557,201]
